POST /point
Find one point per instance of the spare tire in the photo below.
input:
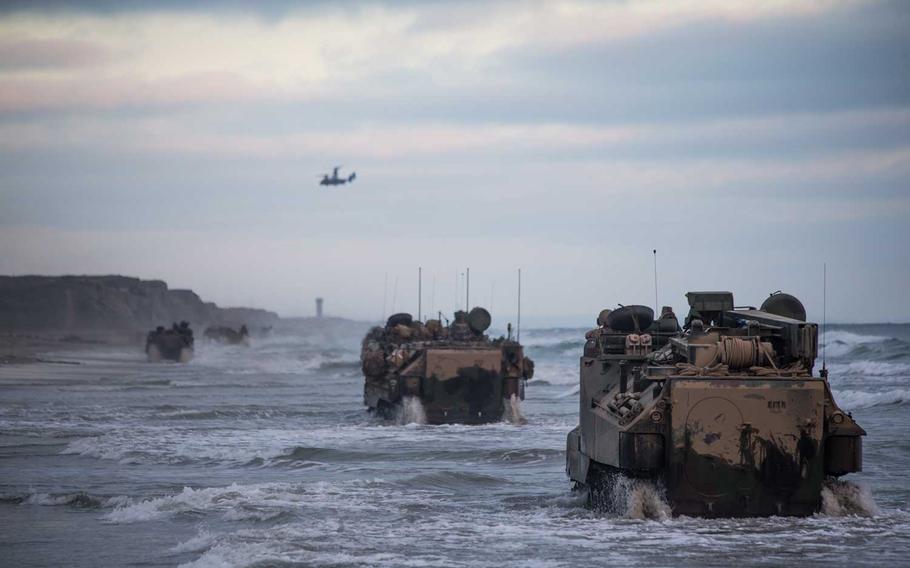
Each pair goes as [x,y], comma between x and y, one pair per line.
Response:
[479,320]
[785,305]
[631,319]
[374,364]
[527,368]
[399,319]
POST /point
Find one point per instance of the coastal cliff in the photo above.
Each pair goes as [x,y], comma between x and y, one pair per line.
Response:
[109,303]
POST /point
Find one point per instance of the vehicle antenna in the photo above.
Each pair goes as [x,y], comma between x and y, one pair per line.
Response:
[824,372]
[385,295]
[419,293]
[433,295]
[518,327]
[457,292]
[656,303]
[394,294]
[467,290]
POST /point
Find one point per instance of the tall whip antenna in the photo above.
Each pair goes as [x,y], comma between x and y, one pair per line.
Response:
[656,303]
[824,318]
[395,294]
[433,295]
[457,292]
[518,330]
[467,291]
[385,295]
[419,293]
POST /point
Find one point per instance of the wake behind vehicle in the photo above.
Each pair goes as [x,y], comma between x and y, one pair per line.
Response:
[174,344]
[726,414]
[456,373]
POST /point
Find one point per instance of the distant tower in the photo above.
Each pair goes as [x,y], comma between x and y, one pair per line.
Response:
[319,308]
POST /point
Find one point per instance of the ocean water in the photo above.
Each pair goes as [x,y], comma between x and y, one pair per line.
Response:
[265,456]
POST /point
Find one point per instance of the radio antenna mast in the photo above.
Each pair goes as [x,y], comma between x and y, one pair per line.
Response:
[433,295]
[395,294]
[467,291]
[385,295]
[518,329]
[655,282]
[824,318]
[419,293]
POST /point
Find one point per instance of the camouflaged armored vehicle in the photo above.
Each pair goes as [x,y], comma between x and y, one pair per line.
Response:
[725,415]
[174,344]
[457,373]
[230,336]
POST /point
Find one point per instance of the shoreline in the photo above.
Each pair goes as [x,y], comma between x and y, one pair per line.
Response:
[32,347]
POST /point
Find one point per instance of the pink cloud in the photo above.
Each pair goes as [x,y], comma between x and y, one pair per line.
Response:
[17,95]
[27,54]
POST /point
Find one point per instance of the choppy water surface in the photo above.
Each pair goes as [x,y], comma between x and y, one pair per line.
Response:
[265,456]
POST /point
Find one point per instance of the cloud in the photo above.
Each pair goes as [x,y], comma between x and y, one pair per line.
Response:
[379,52]
[50,54]
[746,141]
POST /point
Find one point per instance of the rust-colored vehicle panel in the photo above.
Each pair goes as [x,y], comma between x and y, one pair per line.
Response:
[725,413]
[458,374]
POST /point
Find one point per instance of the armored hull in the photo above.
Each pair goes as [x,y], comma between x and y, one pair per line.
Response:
[457,374]
[174,344]
[726,416]
[228,335]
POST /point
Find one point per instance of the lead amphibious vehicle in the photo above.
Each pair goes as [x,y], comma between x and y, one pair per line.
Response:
[725,414]
[458,374]
[174,344]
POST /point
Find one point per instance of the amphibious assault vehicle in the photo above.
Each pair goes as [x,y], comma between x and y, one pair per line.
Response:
[458,374]
[228,335]
[174,344]
[725,415]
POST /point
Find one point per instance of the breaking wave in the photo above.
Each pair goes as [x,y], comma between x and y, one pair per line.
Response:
[77,500]
[852,399]
[303,456]
[558,371]
[268,501]
[870,369]
[572,391]
[840,344]
[560,348]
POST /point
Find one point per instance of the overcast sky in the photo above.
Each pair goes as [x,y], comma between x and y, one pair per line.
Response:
[748,142]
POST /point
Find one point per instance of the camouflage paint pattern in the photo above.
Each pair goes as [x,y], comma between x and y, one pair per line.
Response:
[459,376]
[727,418]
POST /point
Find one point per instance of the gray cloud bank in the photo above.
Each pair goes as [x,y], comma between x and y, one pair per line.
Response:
[749,145]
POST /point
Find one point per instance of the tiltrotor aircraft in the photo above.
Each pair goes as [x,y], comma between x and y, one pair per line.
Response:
[335,180]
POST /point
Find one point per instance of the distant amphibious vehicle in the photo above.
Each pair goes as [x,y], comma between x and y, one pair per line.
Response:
[455,372]
[222,334]
[174,344]
[724,414]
